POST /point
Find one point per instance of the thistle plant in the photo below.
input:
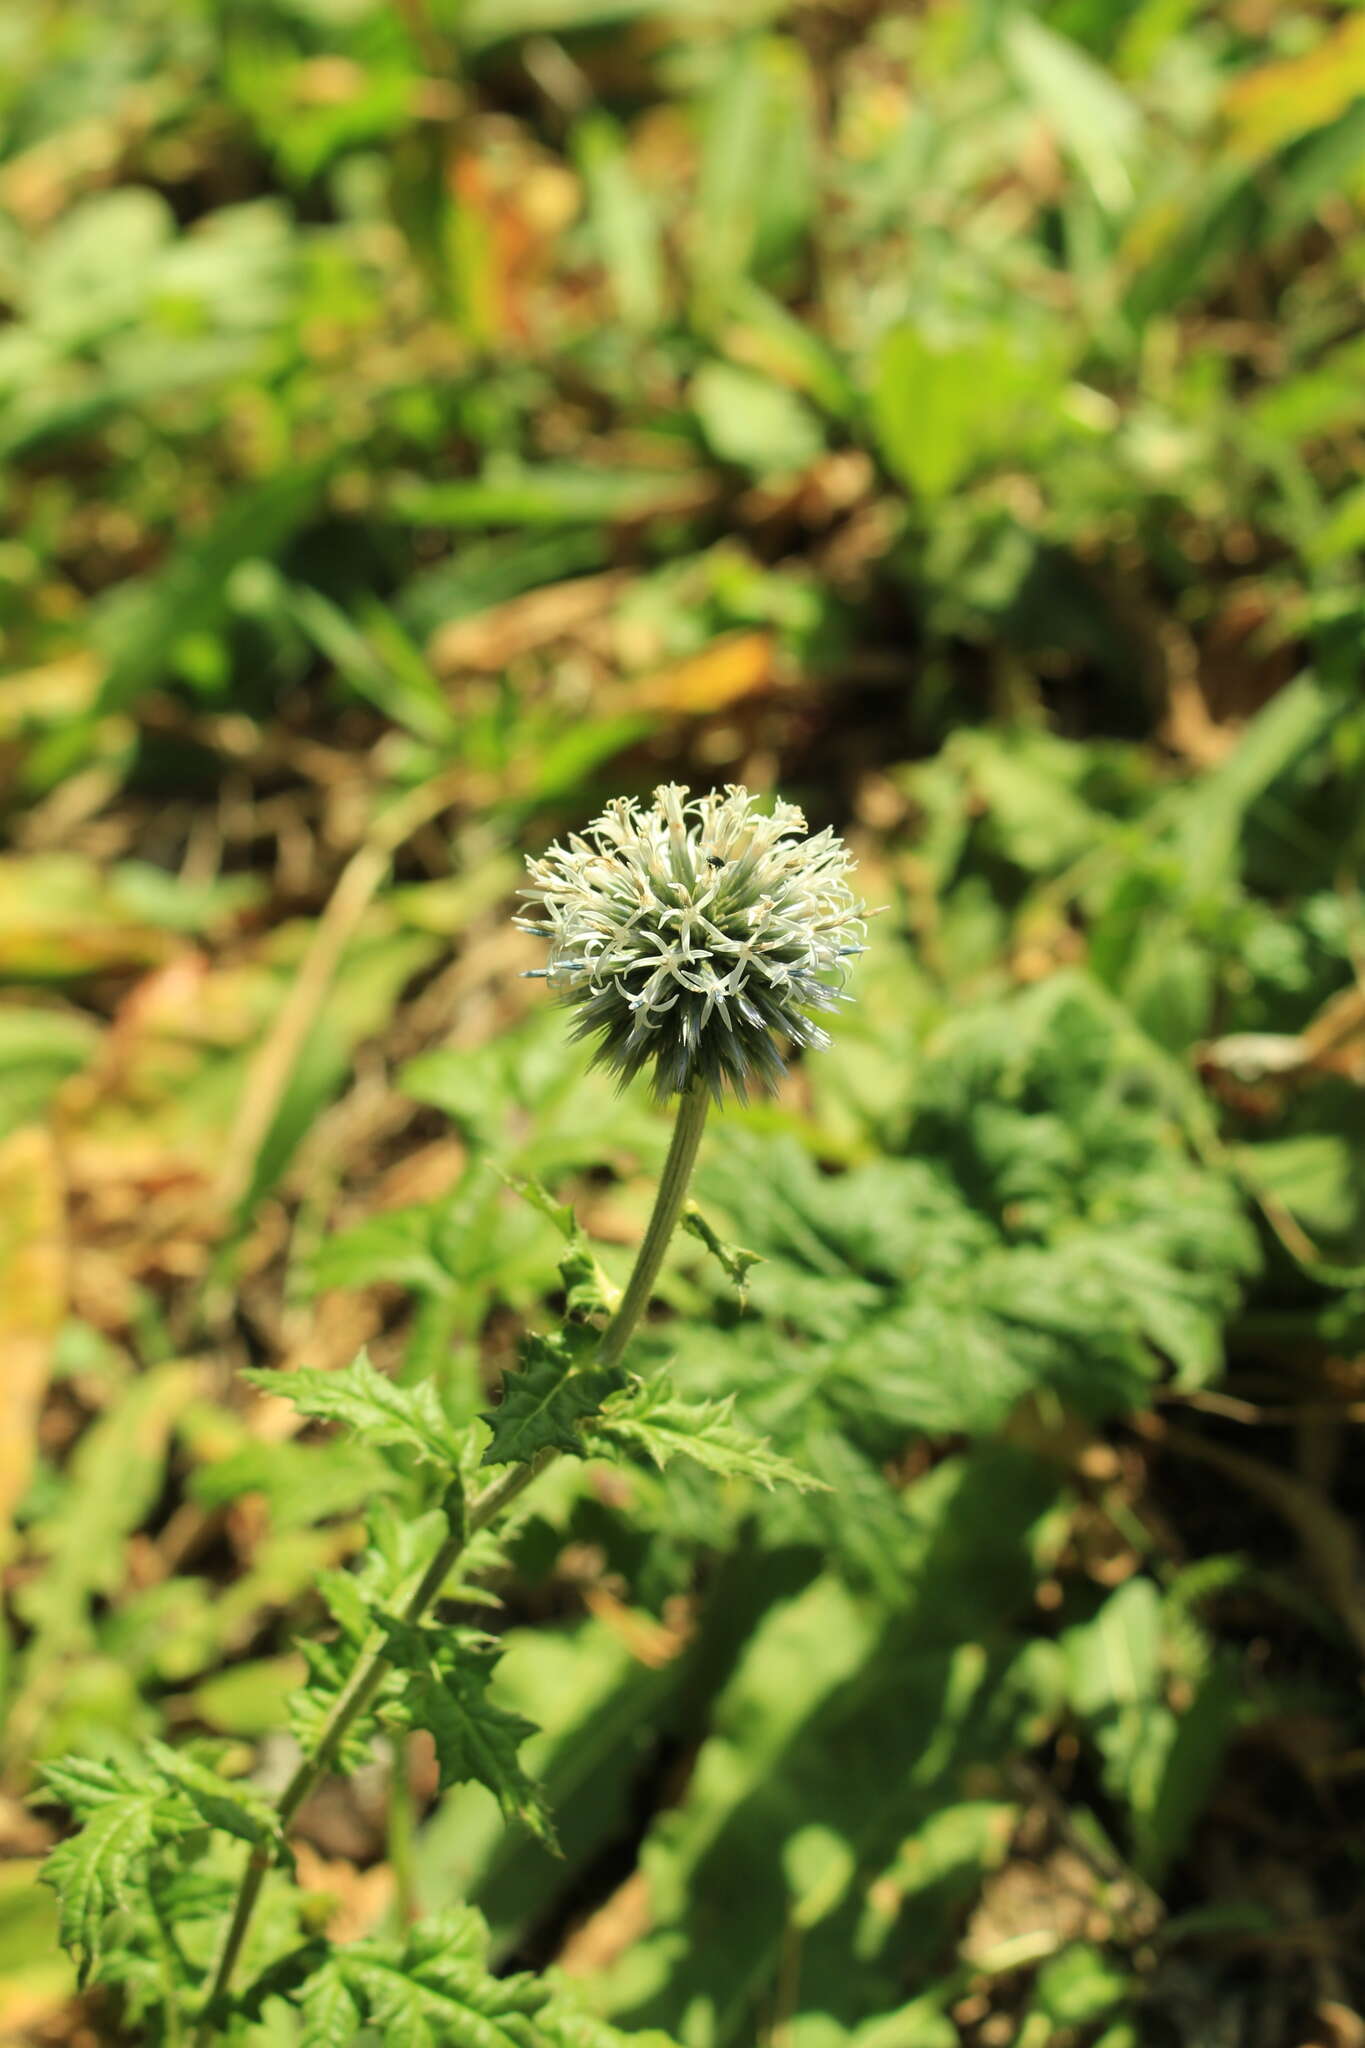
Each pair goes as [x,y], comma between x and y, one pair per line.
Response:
[692,938]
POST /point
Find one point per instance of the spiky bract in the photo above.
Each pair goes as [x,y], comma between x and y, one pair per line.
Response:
[693,935]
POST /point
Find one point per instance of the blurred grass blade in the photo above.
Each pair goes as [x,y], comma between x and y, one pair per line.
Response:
[623,221]
[1092,116]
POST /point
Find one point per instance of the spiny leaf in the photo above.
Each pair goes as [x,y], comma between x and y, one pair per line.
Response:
[587,1290]
[586,1286]
[565,2023]
[734,1259]
[332,2014]
[446,1682]
[400,1550]
[130,1811]
[371,1405]
[329,1666]
[538,1197]
[432,1990]
[85,1785]
[346,1603]
[233,1808]
[652,1419]
[543,1404]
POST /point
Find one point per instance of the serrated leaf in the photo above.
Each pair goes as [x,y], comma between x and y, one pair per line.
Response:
[235,1809]
[128,1814]
[446,1691]
[567,2023]
[587,1288]
[432,1990]
[543,1404]
[365,1401]
[654,1420]
[538,1197]
[329,1666]
[734,1259]
[86,1784]
[332,2014]
[346,1603]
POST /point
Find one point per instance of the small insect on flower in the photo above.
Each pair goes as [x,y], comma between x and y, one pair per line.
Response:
[693,936]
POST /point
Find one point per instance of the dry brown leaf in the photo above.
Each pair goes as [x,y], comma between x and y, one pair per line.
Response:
[362,1896]
[1333,1043]
[648,1641]
[33,1290]
[1052,1897]
[607,1934]
[492,638]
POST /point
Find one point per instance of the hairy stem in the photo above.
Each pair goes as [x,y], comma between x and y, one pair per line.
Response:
[368,1672]
[668,1202]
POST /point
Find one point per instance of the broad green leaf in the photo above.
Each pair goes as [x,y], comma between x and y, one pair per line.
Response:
[1162,1764]
[751,422]
[827,1689]
[1191,1765]
[35,1975]
[39,1049]
[755,186]
[303,1483]
[250,1699]
[395,1248]
[1314,1173]
[1080,1986]
[945,403]
[115,1476]
[1047,1230]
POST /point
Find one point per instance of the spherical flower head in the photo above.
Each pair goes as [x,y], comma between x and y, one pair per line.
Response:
[693,936]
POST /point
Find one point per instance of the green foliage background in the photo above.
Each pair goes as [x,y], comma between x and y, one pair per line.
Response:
[423,419]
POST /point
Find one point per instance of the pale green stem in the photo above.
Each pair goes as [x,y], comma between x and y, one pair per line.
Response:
[401,1824]
[368,1672]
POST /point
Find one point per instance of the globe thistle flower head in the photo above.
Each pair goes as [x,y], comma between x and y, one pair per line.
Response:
[693,936]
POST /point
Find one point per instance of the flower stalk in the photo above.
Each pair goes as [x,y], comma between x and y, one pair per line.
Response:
[368,1672]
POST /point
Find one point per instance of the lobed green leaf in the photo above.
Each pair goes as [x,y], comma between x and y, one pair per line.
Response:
[544,1403]
[375,1407]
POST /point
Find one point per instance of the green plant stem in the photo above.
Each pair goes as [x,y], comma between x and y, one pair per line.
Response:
[668,1204]
[401,1825]
[368,1672]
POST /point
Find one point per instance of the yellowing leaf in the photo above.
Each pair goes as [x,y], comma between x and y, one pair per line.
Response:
[739,666]
[32,1300]
[1276,103]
